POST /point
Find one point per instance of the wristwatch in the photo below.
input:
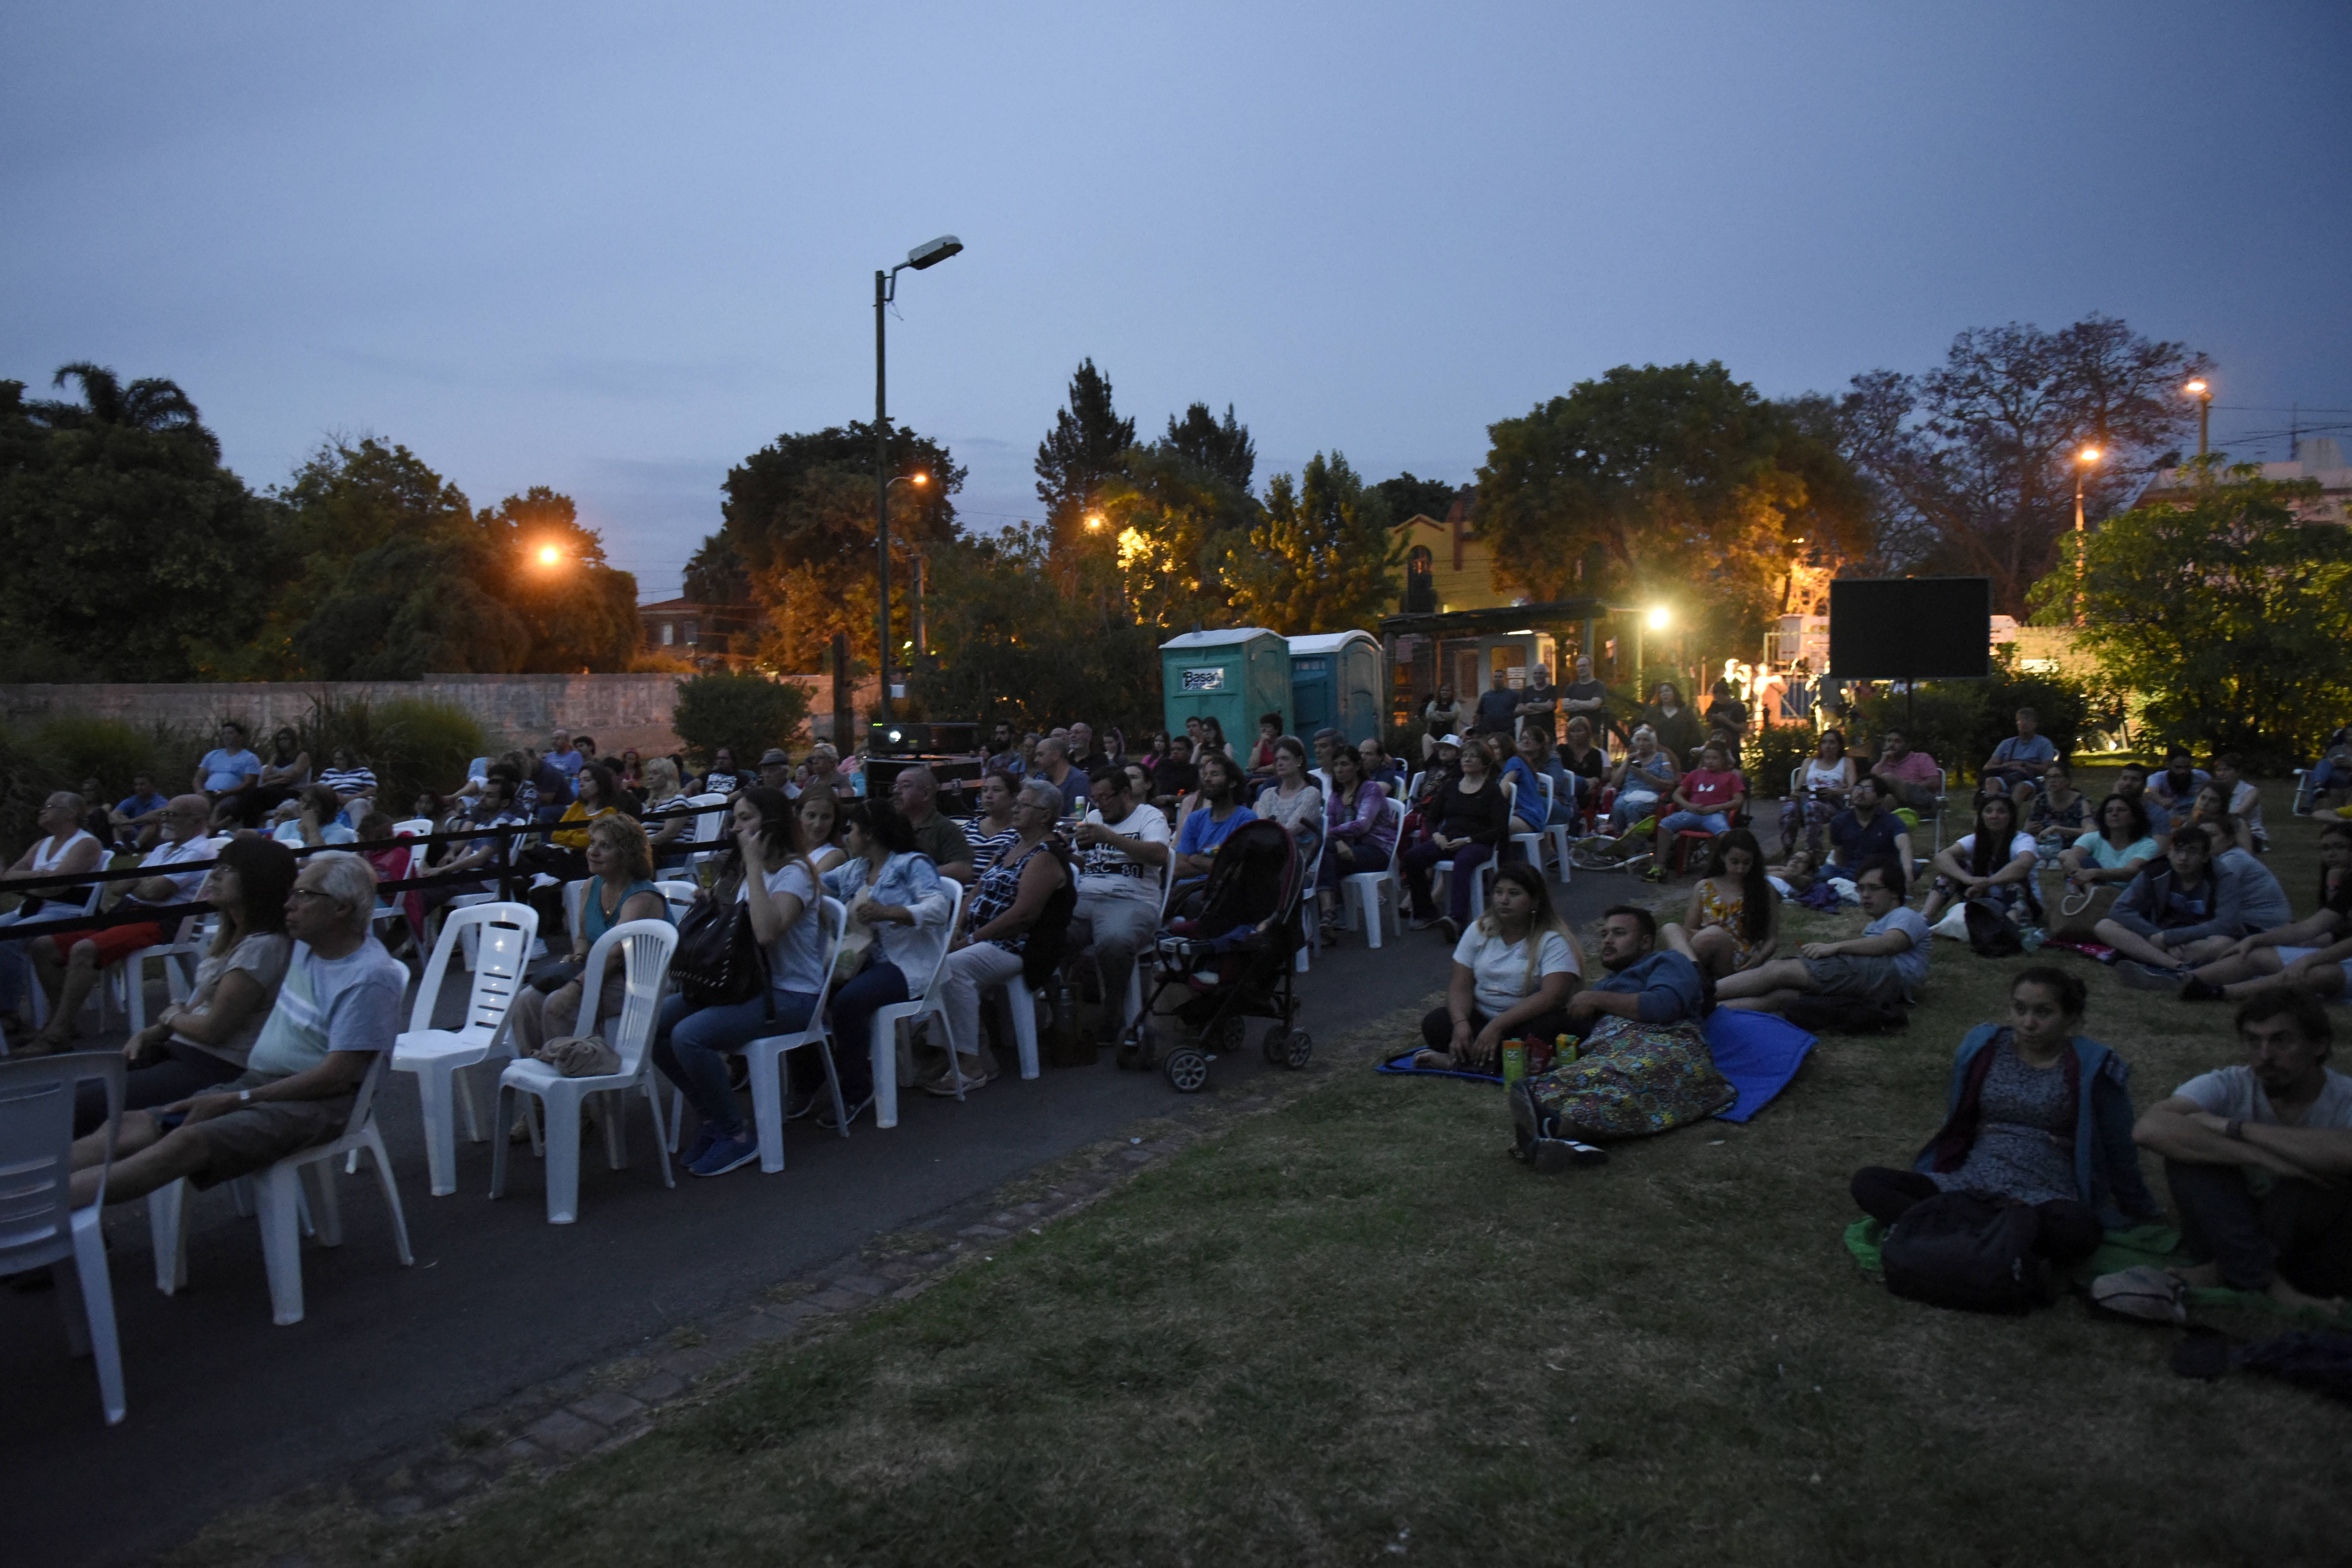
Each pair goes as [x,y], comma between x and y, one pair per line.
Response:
[244,1096]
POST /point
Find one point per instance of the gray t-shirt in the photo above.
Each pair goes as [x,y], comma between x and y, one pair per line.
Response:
[263,956]
[348,1003]
[1911,963]
[2236,1092]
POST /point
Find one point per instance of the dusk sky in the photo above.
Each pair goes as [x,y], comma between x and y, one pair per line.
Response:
[614,250]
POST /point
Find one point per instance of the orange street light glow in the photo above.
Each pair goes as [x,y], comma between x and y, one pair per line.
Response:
[921,479]
[1094,520]
[549,555]
[2088,455]
[2195,389]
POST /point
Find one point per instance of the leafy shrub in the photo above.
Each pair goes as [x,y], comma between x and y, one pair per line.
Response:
[746,713]
[27,777]
[1769,755]
[414,743]
[1959,722]
[82,745]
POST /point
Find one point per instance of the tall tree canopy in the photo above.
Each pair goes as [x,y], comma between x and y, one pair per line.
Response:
[799,521]
[132,554]
[1087,446]
[1170,524]
[1320,561]
[2224,609]
[1674,482]
[1974,461]
[1408,497]
[1221,446]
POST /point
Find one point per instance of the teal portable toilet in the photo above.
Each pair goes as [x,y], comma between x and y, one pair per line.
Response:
[1335,684]
[1232,676]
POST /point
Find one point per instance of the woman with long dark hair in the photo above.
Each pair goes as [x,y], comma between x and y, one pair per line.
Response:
[2314,953]
[205,1040]
[1514,971]
[1734,918]
[896,897]
[1994,862]
[767,872]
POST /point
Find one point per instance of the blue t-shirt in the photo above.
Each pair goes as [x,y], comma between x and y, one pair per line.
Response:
[138,806]
[224,770]
[2025,749]
[1202,833]
[569,762]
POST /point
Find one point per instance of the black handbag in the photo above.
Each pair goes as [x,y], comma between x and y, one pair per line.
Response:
[719,959]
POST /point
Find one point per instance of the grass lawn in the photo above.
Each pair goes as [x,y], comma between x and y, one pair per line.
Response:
[1353,1329]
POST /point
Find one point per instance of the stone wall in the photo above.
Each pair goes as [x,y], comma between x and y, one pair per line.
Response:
[619,710]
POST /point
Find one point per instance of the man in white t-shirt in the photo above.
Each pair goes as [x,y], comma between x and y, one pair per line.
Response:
[2258,1158]
[338,1011]
[1122,851]
[1887,963]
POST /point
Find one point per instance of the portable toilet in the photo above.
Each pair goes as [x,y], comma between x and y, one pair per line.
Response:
[1335,683]
[1232,676]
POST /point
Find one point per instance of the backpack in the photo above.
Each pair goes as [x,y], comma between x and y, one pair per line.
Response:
[718,958]
[1990,932]
[1974,1254]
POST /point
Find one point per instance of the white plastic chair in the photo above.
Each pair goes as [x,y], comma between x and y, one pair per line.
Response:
[883,1037]
[502,936]
[679,896]
[1022,1002]
[765,1056]
[275,1195]
[645,946]
[1557,832]
[127,982]
[1530,843]
[1310,914]
[40,1226]
[707,827]
[1360,891]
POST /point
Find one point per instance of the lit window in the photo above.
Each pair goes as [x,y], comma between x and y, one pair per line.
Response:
[669,634]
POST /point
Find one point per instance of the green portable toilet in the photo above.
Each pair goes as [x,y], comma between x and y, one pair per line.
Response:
[1335,683]
[1232,676]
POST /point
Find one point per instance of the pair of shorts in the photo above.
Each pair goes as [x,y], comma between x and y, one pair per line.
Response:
[257,1136]
[115,943]
[2290,957]
[1874,976]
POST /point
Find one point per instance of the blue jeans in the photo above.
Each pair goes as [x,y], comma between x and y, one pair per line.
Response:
[1694,822]
[691,1045]
[879,986]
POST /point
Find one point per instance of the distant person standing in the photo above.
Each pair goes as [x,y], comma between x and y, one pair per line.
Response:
[1499,706]
[1539,701]
[1588,697]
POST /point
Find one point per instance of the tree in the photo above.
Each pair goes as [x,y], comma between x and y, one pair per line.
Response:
[1677,482]
[1172,525]
[130,553]
[1320,561]
[1973,462]
[1221,448]
[799,521]
[744,712]
[580,613]
[1407,497]
[2223,610]
[1087,446]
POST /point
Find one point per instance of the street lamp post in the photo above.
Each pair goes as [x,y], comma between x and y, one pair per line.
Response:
[2083,461]
[885,289]
[2204,396]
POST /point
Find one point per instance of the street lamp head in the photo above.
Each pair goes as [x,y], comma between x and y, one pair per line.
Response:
[1659,617]
[2087,454]
[2195,389]
[933,252]
[549,555]
[1094,520]
[920,477]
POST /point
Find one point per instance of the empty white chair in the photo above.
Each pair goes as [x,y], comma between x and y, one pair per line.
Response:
[1557,831]
[883,1037]
[502,935]
[1360,891]
[765,1056]
[1022,1002]
[275,1195]
[709,826]
[679,896]
[40,1226]
[645,947]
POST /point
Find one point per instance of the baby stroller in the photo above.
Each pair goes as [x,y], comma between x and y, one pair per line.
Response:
[1234,957]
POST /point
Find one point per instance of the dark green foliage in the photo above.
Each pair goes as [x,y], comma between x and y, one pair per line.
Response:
[414,743]
[2231,617]
[1959,722]
[743,711]
[1767,755]
[1087,446]
[1222,447]
[1408,497]
[129,548]
[1319,560]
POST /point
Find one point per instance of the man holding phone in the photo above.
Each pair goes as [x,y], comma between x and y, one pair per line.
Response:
[338,1011]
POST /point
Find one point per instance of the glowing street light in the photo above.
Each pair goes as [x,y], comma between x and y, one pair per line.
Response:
[2204,396]
[550,555]
[1095,521]
[886,289]
[1660,616]
[2083,461]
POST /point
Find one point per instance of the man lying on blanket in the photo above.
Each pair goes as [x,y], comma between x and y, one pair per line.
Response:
[1642,1068]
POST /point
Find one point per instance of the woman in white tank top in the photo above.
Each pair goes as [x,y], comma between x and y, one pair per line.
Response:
[1821,793]
[66,850]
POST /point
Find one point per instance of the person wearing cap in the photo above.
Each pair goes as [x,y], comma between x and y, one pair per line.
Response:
[776,770]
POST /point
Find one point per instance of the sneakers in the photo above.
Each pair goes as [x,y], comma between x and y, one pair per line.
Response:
[1450,927]
[944,1083]
[705,1135]
[1550,1156]
[853,1108]
[1534,1141]
[726,1155]
[1421,923]
[2148,977]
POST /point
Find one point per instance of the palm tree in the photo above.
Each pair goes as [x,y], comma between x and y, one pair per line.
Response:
[148,404]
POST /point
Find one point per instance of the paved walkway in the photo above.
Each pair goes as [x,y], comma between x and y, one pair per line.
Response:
[227,1410]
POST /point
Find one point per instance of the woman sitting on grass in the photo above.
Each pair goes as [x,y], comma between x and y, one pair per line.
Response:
[2313,954]
[2037,1114]
[1994,862]
[2116,850]
[1734,918]
[1513,974]
[2212,817]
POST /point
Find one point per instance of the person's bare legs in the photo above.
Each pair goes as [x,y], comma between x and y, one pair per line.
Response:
[67,981]
[2230,971]
[1938,902]
[145,1158]
[1781,974]
[2131,945]
[2205,951]
[2203,1275]
[1772,1002]
[1714,952]
[2322,981]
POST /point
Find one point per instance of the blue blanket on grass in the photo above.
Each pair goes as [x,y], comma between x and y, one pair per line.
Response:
[1758,1053]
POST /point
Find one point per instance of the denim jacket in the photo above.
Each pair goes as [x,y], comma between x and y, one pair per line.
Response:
[911,880]
[2106,1161]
